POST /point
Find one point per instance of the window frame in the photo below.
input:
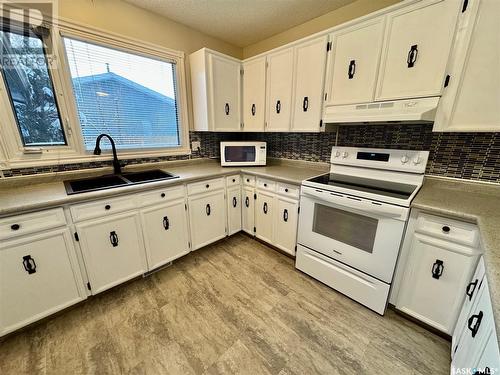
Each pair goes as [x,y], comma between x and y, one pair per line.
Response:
[18,155]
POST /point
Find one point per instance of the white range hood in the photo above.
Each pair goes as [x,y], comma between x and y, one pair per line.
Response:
[409,110]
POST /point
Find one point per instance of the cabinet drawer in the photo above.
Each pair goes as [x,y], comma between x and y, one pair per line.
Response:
[204,186]
[448,229]
[101,208]
[248,180]
[21,225]
[266,184]
[291,191]
[233,180]
[161,195]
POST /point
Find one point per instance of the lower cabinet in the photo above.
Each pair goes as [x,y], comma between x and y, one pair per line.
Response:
[234,210]
[166,234]
[112,249]
[39,275]
[248,210]
[264,216]
[286,220]
[207,218]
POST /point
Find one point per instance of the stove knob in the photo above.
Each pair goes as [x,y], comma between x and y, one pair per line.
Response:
[417,160]
[336,154]
[405,159]
[345,154]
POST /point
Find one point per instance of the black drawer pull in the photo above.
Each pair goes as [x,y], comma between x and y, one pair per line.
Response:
[278,106]
[446,229]
[234,180]
[471,288]
[305,104]
[253,109]
[437,269]
[29,264]
[248,180]
[235,202]
[226,109]
[208,210]
[166,223]
[285,215]
[207,186]
[412,56]
[15,226]
[265,208]
[247,202]
[163,195]
[474,323]
[107,207]
[113,238]
[352,69]
[286,190]
[265,185]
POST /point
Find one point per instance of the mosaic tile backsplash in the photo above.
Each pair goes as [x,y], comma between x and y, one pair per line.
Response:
[474,156]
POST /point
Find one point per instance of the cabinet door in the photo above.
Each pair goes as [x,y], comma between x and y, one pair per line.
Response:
[207,218]
[264,216]
[286,219]
[254,94]
[310,66]
[234,210]
[354,63]
[417,46]
[490,355]
[165,230]
[112,249]
[224,104]
[279,90]
[436,274]
[39,275]
[248,210]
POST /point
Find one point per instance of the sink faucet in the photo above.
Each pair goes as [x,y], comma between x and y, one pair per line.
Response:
[97,151]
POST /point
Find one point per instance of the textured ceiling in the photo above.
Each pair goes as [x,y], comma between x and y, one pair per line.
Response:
[241,22]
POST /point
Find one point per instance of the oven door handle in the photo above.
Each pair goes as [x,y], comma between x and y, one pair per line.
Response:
[353,203]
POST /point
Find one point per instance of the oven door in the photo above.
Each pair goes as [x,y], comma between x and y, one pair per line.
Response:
[361,233]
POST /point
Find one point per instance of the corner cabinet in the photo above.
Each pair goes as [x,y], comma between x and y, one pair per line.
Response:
[216,91]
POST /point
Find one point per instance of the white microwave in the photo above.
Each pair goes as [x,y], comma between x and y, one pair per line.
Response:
[243,153]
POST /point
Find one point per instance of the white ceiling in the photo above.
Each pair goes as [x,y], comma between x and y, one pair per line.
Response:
[241,22]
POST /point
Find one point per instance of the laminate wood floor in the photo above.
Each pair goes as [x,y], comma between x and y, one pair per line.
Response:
[236,307]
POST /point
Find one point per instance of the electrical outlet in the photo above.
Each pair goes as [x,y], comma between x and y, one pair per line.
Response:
[195,145]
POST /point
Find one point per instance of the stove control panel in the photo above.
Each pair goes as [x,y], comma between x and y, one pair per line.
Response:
[378,158]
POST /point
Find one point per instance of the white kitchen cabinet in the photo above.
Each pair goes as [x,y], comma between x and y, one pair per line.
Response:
[474,81]
[280,74]
[254,94]
[248,210]
[165,230]
[207,218]
[264,216]
[489,356]
[416,49]
[234,209]
[113,249]
[286,220]
[216,91]
[39,275]
[353,63]
[310,66]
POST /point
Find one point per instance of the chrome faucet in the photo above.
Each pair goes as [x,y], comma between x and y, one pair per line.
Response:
[97,151]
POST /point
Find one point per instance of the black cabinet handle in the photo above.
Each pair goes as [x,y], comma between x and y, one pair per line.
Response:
[471,288]
[437,269]
[163,195]
[247,202]
[208,210]
[15,226]
[234,180]
[107,207]
[113,238]
[305,104]
[166,223]
[475,322]
[253,109]
[285,215]
[226,109]
[412,56]
[265,185]
[278,106]
[235,202]
[446,229]
[286,190]
[29,264]
[352,69]
[265,208]
[207,186]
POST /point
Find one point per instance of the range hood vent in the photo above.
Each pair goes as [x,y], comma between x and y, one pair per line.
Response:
[411,110]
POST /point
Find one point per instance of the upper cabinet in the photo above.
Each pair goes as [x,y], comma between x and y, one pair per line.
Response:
[470,102]
[310,64]
[216,91]
[254,94]
[279,90]
[416,50]
[353,63]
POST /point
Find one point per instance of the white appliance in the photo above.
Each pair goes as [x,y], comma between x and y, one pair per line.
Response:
[352,220]
[243,153]
[410,110]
